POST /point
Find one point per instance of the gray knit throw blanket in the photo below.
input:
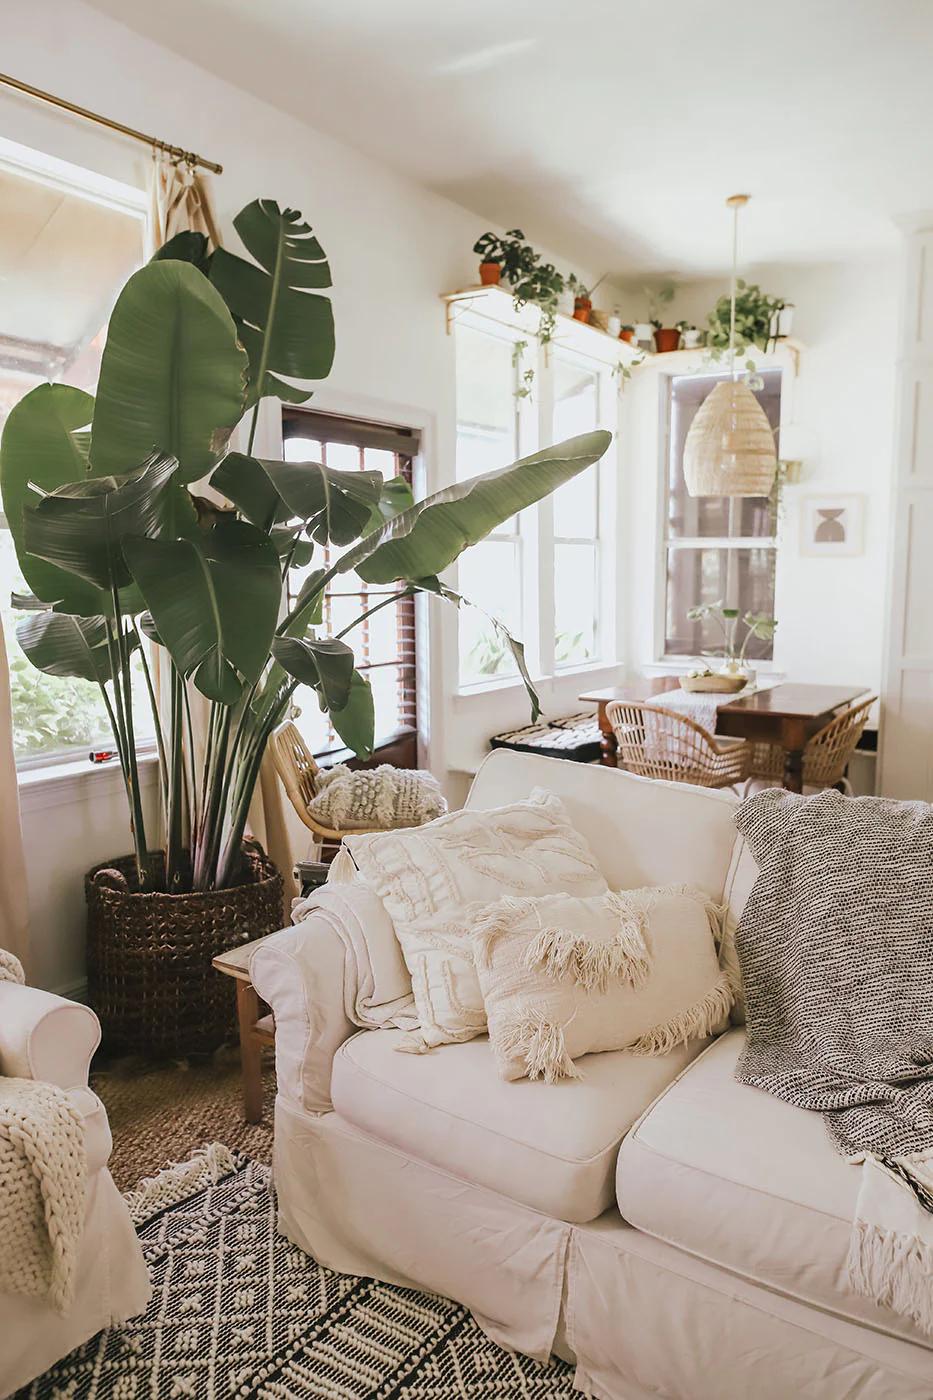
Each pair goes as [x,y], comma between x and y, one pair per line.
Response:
[836,949]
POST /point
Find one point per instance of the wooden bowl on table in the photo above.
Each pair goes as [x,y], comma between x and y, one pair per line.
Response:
[716,683]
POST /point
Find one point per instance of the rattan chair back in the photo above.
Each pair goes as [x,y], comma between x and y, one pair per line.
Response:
[827,755]
[658,743]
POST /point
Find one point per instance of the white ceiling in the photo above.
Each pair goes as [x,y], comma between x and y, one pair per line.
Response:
[610,130]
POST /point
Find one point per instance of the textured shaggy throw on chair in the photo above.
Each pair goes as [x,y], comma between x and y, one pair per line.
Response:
[238,1311]
[836,950]
[43,1170]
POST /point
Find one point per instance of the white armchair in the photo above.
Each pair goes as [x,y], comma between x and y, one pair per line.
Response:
[45,1037]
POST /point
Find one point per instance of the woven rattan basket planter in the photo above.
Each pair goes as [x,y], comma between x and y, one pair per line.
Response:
[150,978]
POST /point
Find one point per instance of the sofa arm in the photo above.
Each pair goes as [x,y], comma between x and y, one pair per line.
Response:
[301,973]
[43,1036]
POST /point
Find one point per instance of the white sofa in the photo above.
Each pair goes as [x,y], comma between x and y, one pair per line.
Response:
[674,1233]
[46,1038]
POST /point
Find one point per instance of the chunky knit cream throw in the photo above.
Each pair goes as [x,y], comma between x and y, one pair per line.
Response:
[43,1170]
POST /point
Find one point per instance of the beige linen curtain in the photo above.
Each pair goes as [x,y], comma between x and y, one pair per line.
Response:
[14,897]
[180,200]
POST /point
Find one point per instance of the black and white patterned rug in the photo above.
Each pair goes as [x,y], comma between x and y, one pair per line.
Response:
[238,1311]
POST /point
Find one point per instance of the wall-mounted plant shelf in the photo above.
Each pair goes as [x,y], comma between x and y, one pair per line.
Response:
[498,305]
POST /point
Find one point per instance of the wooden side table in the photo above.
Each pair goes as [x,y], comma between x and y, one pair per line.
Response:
[255,1030]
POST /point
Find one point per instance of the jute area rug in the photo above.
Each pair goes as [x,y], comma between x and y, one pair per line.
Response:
[237,1311]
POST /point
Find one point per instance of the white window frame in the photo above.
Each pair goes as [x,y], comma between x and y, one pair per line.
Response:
[493,313]
[668,542]
[73,179]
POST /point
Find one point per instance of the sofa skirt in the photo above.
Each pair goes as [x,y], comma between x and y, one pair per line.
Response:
[641,1319]
[111,1286]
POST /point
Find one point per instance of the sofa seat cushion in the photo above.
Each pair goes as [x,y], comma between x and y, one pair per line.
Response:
[741,1179]
[552,1147]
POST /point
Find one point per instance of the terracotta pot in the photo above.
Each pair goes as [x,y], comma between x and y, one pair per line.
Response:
[666,340]
[489,273]
[627,335]
[582,306]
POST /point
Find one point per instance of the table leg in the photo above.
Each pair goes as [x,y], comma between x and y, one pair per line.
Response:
[793,770]
[247,1006]
[607,740]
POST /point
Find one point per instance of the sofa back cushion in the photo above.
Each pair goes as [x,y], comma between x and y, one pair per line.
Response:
[641,831]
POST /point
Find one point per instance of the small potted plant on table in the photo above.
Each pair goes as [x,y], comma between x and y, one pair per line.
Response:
[732,674]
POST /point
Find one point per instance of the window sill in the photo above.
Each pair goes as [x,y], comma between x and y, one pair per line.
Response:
[52,784]
[587,676]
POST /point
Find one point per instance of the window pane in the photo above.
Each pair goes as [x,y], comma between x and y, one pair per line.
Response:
[489,577]
[65,257]
[740,578]
[724,517]
[303,449]
[576,410]
[487,409]
[574,603]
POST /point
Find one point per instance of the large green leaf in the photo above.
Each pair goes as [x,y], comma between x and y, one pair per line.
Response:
[81,527]
[327,665]
[214,602]
[172,374]
[62,645]
[430,536]
[356,722]
[338,505]
[43,444]
[287,329]
[517,648]
[186,246]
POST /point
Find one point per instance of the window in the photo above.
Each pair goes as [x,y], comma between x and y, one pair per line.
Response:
[541,573]
[68,241]
[489,431]
[384,644]
[576,520]
[715,547]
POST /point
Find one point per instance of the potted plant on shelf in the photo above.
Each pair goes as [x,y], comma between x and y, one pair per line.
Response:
[732,674]
[691,336]
[666,338]
[755,318]
[627,333]
[583,297]
[122,549]
[530,280]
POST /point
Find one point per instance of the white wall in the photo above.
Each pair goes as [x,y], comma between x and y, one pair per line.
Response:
[830,611]
[393,248]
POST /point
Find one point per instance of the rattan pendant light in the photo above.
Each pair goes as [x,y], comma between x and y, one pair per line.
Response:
[729,449]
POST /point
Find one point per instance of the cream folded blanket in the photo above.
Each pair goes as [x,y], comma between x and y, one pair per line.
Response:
[43,1173]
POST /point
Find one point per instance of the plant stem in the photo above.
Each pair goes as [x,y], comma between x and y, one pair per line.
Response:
[159,736]
[392,598]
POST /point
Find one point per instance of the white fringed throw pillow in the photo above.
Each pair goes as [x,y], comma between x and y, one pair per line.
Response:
[562,977]
[433,879]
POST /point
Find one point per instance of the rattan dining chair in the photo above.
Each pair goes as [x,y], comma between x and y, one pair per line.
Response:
[827,755]
[658,743]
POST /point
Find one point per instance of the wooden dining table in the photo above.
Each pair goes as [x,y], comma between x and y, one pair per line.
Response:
[788,714]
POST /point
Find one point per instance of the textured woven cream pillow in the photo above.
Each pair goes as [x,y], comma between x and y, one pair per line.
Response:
[376,797]
[433,879]
[562,977]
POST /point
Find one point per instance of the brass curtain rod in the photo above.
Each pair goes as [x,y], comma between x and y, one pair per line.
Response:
[189,157]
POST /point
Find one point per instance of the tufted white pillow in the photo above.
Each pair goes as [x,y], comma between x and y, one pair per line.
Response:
[633,969]
[433,879]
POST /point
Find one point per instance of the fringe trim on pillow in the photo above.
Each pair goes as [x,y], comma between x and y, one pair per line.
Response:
[894,1270]
[701,1019]
[541,1043]
[591,963]
[499,918]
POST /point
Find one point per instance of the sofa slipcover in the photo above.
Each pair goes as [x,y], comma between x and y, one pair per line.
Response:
[744,1180]
[552,1147]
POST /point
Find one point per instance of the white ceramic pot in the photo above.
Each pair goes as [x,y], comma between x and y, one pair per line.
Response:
[565,302]
[644,330]
[691,339]
[614,324]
